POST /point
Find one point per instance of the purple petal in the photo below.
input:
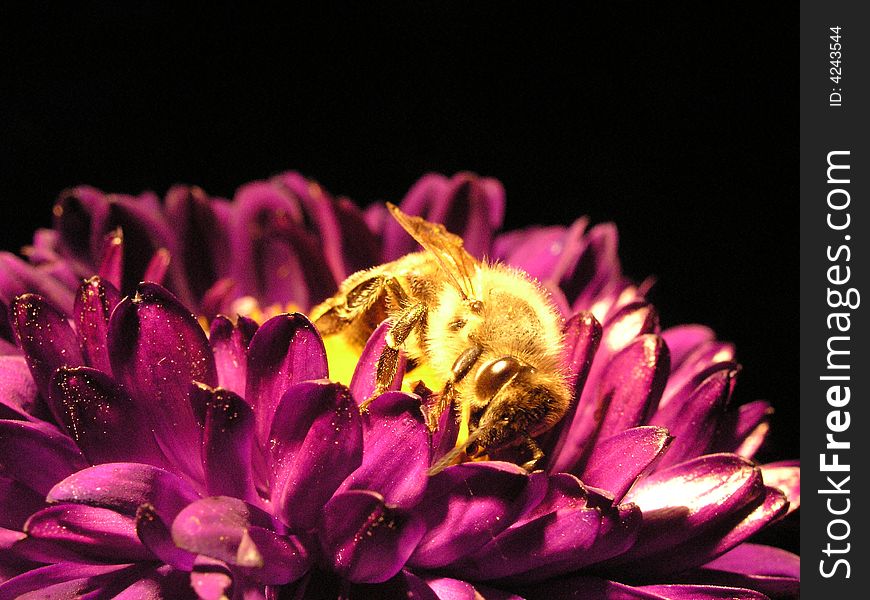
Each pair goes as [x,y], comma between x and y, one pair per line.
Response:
[37,454]
[474,210]
[702,592]
[724,537]
[360,248]
[276,259]
[18,393]
[427,191]
[545,253]
[124,487]
[772,586]
[155,271]
[744,430]
[348,245]
[395,451]
[754,559]
[144,230]
[585,586]
[79,216]
[202,237]
[18,502]
[405,585]
[597,269]
[582,336]
[467,205]
[159,584]
[466,505]
[620,460]
[771,571]
[694,422]
[212,579]
[315,442]
[286,350]
[552,538]
[689,499]
[617,532]
[632,384]
[228,434]
[451,589]
[68,580]
[363,382]
[629,322]
[365,540]
[786,477]
[106,424]
[46,338]
[96,532]
[94,303]
[154,533]
[682,340]
[240,534]
[157,348]
[18,277]
[229,343]
[548,493]
[111,262]
[694,369]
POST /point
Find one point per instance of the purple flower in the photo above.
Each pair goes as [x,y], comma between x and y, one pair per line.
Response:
[144,458]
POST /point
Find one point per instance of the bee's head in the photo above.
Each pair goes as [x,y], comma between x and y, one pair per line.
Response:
[523,402]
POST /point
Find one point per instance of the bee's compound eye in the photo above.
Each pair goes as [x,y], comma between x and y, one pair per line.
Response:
[492,376]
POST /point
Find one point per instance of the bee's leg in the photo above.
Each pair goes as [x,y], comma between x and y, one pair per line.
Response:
[343,310]
[537,453]
[460,369]
[388,362]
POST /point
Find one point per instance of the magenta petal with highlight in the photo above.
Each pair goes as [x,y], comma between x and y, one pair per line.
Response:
[18,394]
[743,430]
[363,383]
[617,462]
[286,350]
[316,441]
[69,580]
[755,559]
[94,302]
[124,487]
[24,445]
[229,343]
[228,433]
[97,532]
[240,534]
[701,592]
[632,384]
[694,421]
[161,583]
[682,340]
[106,424]
[395,451]
[559,535]
[154,532]
[464,507]
[688,499]
[786,477]
[46,338]
[366,540]
[157,349]
[18,502]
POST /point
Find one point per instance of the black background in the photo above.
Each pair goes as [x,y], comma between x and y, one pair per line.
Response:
[679,122]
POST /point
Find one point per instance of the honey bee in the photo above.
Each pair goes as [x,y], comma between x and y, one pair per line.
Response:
[489,333]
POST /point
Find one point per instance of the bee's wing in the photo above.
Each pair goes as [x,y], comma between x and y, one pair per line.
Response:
[446,247]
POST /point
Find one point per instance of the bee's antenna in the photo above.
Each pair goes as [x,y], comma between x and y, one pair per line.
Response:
[446,460]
